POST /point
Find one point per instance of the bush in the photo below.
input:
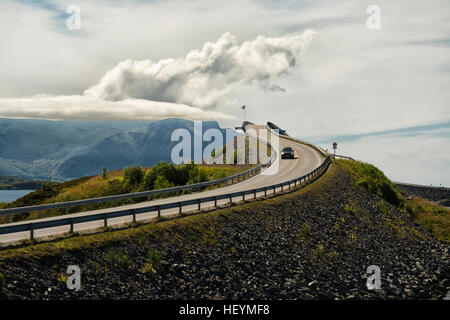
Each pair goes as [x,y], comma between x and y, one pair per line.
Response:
[373,179]
[350,209]
[381,205]
[133,176]
[154,256]
[162,183]
[116,258]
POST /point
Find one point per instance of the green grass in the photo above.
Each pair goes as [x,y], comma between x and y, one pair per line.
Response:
[202,226]
[116,257]
[371,178]
[154,257]
[433,218]
[128,180]
[381,205]
[350,209]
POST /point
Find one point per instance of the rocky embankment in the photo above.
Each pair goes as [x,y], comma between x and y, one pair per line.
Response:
[439,195]
[313,243]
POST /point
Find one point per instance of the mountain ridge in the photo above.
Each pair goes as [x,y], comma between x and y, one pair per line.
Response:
[62,150]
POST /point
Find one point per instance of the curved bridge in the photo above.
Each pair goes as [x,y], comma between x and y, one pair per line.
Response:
[309,163]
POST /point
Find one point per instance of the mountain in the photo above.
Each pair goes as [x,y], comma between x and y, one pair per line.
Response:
[35,149]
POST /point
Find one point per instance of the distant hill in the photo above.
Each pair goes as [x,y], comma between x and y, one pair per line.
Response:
[14,183]
[35,149]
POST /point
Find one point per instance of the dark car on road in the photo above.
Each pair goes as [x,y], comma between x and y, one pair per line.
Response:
[287,153]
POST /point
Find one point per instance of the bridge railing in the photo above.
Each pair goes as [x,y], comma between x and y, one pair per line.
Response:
[71,221]
[339,156]
[144,194]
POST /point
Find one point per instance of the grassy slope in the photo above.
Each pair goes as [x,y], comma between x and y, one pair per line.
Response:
[430,216]
[200,227]
[92,187]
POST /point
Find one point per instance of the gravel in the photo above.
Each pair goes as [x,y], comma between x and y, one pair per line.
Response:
[262,250]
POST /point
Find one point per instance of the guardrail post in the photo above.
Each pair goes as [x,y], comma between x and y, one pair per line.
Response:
[105,220]
[215,201]
[243,195]
[179,206]
[31,231]
[71,226]
[159,212]
[199,204]
[133,212]
[231,199]
[274,189]
[254,194]
[265,192]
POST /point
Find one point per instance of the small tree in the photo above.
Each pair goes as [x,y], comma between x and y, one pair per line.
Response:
[104,172]
[133,176]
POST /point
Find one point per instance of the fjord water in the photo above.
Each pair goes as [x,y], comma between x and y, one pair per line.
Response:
[12,195]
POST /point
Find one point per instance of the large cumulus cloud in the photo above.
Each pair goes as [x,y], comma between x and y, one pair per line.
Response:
[203,76]
[188,87]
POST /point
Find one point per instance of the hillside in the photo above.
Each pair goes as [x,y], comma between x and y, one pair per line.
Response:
[33,149]
[162,175]
[315,242]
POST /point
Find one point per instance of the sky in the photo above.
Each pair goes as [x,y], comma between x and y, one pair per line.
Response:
[312,67]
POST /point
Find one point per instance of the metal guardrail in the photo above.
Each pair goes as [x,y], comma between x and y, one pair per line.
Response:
[237,177]
[71,221]
[339,156]
[421,186]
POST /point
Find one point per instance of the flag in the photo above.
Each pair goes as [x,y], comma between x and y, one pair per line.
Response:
[243,107]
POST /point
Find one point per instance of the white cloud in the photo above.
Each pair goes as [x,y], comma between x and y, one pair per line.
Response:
[156,90]
[85,108]
[203,76]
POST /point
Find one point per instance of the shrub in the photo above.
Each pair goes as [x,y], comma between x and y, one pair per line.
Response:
[319,252]
[133,176]
[350,209]
[148,267]
[162,183]
[305,230]
[154,256]
[371,178]
[116,258]
[381,205]
[62,278]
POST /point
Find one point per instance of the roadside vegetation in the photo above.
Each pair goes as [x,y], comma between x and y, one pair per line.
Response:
[129,180]
[202,226]
[432,217]
[373,179]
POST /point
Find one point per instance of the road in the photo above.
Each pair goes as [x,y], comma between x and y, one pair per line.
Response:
[306,160]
